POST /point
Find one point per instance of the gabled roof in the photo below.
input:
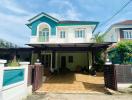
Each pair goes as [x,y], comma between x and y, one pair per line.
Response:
[41,15]
[61,23]
[77,22]
[126,22]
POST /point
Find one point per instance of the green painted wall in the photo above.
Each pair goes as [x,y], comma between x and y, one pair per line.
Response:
[52,23]
[79,59]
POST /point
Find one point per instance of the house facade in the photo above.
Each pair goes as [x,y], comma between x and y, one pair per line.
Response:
[63,44]
[119,31]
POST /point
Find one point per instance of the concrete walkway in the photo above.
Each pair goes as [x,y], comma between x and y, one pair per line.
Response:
[53,96]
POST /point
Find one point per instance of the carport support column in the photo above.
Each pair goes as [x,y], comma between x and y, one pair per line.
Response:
[53,61]
[90,59]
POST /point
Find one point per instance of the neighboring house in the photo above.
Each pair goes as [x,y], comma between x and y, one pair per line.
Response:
[21,54]
[63,44]
[119,31]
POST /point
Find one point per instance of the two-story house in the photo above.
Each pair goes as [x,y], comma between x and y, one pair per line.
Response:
[119,31]
[63,44]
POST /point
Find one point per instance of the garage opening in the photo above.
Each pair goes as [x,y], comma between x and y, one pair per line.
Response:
[66,68]
[71,74]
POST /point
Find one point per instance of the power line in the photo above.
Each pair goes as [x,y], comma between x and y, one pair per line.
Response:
[125,5]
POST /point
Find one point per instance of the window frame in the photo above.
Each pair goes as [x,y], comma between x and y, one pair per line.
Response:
[62,34]
[80,33]
[44,33]
[127,34]
[70,59]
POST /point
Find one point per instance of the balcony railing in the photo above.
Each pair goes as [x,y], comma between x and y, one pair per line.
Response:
[43,39]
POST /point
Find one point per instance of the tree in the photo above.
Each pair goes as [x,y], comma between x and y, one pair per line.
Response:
[122,53]
[6,44]
[99,57]
[98,38]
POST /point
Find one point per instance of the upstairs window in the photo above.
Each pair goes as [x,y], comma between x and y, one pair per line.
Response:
[80,33]
[127,34]
[43,32]
[62,34]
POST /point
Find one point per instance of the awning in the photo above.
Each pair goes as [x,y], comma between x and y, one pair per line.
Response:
[71,46]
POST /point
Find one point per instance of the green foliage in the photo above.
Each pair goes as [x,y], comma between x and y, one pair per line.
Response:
[122,54]
[6,44]
[98,38]
[99,59]
[13,63]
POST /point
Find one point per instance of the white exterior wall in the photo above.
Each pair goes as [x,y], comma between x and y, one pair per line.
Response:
[70,35]
[115,31]
[18,90]
[112,32]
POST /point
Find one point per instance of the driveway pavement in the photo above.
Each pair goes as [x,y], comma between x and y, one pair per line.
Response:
[53,96]
[73,83]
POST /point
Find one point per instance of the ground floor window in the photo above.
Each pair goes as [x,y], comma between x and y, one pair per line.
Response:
[70,59]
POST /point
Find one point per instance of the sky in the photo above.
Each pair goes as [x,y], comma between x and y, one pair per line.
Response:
[15,13]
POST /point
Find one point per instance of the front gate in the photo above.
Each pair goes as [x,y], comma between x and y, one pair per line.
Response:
[37,76]
[110,77]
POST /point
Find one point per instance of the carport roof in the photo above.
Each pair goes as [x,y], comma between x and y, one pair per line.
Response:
[72,45]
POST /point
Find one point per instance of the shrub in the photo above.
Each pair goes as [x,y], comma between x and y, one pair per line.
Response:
[13,63]
[122,53]
[99,60]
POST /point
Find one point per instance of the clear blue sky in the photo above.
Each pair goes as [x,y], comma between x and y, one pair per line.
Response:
[15,13]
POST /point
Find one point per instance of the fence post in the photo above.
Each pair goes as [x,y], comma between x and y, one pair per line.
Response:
[25,65]
[37,82]
[2,64]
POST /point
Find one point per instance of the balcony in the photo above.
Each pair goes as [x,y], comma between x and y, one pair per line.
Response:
[43,39]
[56,39]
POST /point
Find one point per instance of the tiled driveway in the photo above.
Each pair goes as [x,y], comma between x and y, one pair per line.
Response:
[74,83]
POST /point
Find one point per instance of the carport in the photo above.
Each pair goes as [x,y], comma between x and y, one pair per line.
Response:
[72,81]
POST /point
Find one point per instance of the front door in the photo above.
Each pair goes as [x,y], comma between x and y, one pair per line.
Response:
[46,61]
[63,62]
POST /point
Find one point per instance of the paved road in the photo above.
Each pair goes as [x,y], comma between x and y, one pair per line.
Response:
[53,96]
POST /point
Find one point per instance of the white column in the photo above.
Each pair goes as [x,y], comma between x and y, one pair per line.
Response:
[108,62]
[37,63]
[25,65]
[90,59]
[2,64]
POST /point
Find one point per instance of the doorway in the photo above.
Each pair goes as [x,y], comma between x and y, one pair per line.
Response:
[63,63]
[46,61]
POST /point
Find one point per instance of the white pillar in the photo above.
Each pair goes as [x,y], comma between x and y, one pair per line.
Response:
[25,65]
[2,64]
[37,63]
[108,62]
[90,59]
